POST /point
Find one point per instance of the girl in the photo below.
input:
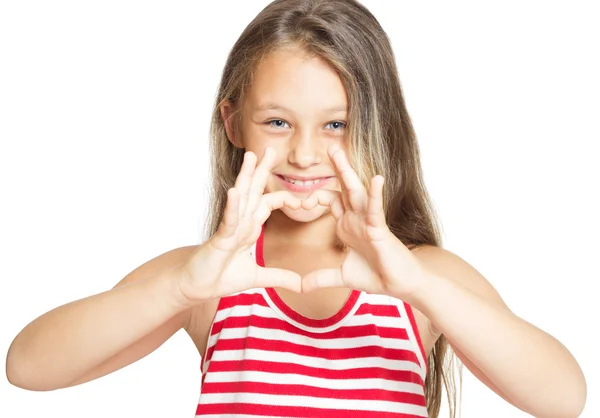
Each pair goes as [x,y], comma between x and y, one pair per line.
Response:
[322,287]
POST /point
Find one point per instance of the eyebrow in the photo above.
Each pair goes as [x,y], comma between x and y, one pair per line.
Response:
[275,106]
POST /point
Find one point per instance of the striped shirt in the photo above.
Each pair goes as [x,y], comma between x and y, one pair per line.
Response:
[265,359]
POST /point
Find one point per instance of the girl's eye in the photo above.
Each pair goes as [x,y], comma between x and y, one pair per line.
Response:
[337,125]
[278,123]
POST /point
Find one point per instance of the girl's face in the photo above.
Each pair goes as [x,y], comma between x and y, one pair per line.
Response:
[298,106]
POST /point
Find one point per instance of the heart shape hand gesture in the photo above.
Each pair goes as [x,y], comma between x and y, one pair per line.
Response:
[376,261]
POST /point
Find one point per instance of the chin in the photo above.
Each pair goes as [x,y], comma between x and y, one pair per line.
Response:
[303,215]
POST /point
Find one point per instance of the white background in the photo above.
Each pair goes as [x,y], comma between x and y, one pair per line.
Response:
[104,111]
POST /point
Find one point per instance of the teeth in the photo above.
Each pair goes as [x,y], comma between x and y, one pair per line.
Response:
[302,183]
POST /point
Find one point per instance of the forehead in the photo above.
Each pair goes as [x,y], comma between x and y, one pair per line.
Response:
[293,79]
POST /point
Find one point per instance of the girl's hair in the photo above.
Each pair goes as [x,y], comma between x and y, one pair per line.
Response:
[380,135]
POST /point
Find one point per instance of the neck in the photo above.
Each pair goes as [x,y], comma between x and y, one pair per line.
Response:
[285,231]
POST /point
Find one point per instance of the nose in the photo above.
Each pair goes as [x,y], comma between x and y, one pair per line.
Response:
[305,149]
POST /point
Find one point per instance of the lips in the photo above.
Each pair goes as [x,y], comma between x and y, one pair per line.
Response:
[304,184]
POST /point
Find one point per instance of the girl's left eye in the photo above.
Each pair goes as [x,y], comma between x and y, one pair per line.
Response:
[279,123]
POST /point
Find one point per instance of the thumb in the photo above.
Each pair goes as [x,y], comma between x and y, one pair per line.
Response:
[273,277]
[320,279]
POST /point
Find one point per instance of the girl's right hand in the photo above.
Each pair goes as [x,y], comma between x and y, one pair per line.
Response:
[223,265]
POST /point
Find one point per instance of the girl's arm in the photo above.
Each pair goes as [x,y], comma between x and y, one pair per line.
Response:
[94,336]
[523,364]
[97,335]
[527,366]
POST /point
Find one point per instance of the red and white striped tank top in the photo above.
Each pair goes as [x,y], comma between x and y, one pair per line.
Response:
[265,359]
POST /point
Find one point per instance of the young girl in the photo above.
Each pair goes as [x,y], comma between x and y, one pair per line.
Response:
[322,288]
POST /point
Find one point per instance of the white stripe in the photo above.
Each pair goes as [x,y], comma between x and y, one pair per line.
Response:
[309,401]
[318,382]
[376,299]
[245,310]
[379,321]
[281,335]
[329,364]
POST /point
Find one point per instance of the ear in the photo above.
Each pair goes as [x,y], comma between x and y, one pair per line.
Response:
[227,114]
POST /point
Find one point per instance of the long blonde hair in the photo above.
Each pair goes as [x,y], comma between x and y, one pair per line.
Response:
[381,138]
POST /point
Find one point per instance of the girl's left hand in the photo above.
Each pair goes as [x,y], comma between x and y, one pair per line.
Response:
[376,261]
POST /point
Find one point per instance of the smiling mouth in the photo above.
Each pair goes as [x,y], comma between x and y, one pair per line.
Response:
[297,185]
[304,182]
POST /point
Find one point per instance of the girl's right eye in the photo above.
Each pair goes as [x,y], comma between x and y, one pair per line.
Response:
[278,123]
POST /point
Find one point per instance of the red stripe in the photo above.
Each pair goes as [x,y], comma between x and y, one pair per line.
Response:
[278,346]
[293,411]
[377,310]
[316,392]
[351,331]
[209,353]
[242,299]
[279,367]
[218,326]
[260,259]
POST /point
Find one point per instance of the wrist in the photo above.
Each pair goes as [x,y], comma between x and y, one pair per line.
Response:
[167,286]
[420,291]
[408,276]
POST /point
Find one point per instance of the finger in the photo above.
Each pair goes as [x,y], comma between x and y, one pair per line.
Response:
[273,277]
[230,220]
[375,214]
[244,179]
[320,279]
[259,180]
[275,200]
[338,175]
[349,180]
[323,197]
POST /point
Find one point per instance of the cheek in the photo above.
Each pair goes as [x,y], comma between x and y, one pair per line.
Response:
[257,138]
[258,146]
